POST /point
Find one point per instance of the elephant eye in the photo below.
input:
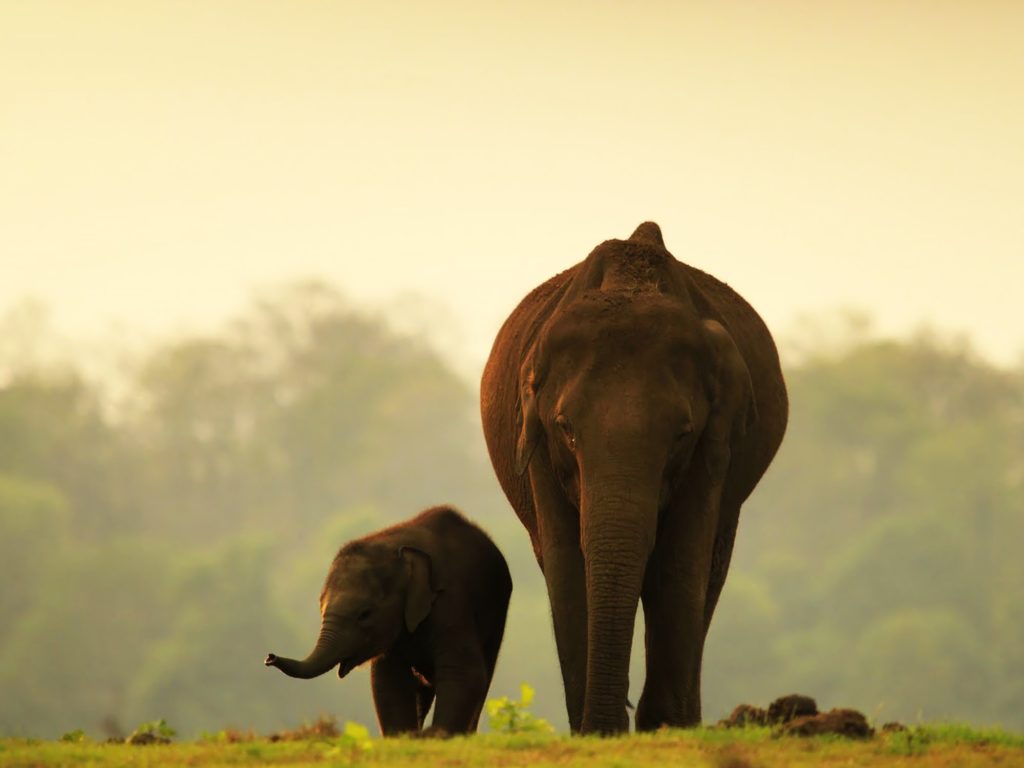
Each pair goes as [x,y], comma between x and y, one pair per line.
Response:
[685,430]
[364,614]
[566,427]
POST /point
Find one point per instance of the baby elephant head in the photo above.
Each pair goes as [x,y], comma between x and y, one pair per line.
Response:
[373,593]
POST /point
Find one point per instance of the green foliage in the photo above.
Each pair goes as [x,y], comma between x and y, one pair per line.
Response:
[155,548]
[303,408]
[34,522]
[960,733]
[72,658]
[354,737]
[75,737]
[906,656]
[212,646]
[747,618]
[158,543]
[158,728]
[507,715]
[925,739]
[885,534]
[53,432]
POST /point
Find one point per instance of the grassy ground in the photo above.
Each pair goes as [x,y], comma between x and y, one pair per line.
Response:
[748,748]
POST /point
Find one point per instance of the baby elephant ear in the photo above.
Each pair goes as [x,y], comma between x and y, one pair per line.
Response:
[420,595]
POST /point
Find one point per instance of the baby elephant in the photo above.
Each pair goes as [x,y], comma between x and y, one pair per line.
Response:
[425,600]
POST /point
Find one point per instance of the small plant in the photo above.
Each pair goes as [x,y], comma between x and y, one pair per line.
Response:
[154,732]
[323,728]
[76,736]
[508,716]
[357,735]
[354,737]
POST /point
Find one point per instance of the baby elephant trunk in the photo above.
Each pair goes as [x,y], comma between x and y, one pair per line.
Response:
[324,656]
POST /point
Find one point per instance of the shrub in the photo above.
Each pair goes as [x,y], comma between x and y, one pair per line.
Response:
[509,716]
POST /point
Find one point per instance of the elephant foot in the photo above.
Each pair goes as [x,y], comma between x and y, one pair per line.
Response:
[605,726]
[651,715]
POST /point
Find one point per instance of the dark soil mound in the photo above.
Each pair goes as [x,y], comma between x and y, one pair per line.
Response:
[745,714]
[843,722]
[782,710]
[787,708]
[797,715]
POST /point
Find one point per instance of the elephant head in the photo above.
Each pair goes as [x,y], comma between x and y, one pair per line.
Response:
[373,593]
[628,398]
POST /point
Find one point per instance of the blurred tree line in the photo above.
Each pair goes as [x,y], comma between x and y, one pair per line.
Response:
[878,565]
[155,545]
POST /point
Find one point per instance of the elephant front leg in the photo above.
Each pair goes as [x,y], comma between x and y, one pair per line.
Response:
[460,686]
[562,563]
[564,574]
[396,696]
[674,644]
[674,598]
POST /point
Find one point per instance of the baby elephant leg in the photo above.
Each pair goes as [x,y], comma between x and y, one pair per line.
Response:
[424,700]
[461,686]
[397,696]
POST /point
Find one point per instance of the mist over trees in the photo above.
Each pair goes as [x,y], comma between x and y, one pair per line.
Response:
[157,543]
[879,563]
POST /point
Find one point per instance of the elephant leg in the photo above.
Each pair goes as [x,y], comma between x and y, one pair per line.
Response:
[424,700]
[674,599]
[564,572]
[490,647]
[395,696]
[460,686]
[720,558]
[566,582]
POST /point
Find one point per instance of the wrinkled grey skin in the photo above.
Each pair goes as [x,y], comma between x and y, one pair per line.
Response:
[424,601]
[630,405]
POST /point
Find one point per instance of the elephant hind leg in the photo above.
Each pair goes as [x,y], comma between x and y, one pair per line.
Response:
[424,701]
[721,556]
[491,646]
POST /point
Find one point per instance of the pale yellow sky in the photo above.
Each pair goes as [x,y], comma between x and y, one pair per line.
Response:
[161,161]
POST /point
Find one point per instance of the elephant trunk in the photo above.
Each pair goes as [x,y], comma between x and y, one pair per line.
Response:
[324,655]
[619,521]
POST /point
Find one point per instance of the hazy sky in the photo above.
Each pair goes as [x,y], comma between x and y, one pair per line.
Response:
[161,161]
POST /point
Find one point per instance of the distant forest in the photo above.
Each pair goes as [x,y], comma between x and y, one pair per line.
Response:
[161,533]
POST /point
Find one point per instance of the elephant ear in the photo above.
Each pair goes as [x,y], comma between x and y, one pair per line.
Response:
[731,392]
[420,595]
[529,421]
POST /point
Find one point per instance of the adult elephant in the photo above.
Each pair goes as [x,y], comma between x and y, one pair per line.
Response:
[630,405]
